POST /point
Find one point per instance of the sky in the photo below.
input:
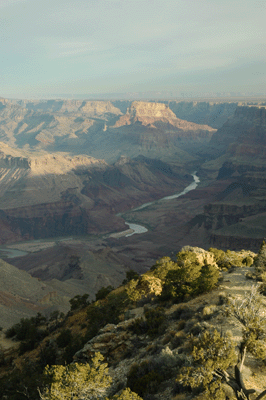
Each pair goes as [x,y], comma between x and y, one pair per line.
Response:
[82,47]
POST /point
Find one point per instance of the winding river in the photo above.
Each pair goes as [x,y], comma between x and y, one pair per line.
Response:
[133,228]
[141,229]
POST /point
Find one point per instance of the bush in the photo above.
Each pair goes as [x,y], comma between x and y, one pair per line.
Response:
[79,302]
[188,277]
[27,332]
[144,379]
[105,311]
[64,338]
[210,351]
[129,276]
[218,254]
[103,292]
[152,325]
[127,395]
[77,381]
[76,343]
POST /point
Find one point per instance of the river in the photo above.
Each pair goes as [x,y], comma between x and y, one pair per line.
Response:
[137,229]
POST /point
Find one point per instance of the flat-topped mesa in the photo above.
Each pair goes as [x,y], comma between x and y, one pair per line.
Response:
[148,113]
[141,109]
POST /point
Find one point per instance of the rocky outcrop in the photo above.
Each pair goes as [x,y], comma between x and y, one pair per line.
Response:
[113,341]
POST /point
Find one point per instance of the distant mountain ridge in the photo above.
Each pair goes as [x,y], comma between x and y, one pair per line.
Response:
[100,129]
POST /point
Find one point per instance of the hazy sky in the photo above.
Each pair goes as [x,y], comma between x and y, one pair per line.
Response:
[105,46]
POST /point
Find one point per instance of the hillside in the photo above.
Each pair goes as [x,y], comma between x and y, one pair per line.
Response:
[147,339]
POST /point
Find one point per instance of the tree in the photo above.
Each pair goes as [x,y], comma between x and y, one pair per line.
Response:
[103,292]
[77,381]
[212,353]
[131,274]
[79,301]
[189,277]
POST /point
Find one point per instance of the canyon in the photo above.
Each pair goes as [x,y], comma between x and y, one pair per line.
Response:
[72,172]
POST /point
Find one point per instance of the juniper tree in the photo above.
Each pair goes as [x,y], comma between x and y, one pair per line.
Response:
[213,353]
[81,381]
[77,381]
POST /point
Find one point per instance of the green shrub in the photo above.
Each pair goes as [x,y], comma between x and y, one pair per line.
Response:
[77,381]
[27,332]
[209,275]
[105,311]
[189,279]
[76,343]
[218,254]
[210,351]
[103,292]
[79,301]
[64,338]
[129,276]
[144,378]
[127,395]
[152,325]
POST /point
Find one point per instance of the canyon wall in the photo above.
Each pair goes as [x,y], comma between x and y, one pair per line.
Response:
[214,114]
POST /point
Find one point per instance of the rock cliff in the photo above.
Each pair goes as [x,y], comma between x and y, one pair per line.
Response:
[243,135]
[213,114]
